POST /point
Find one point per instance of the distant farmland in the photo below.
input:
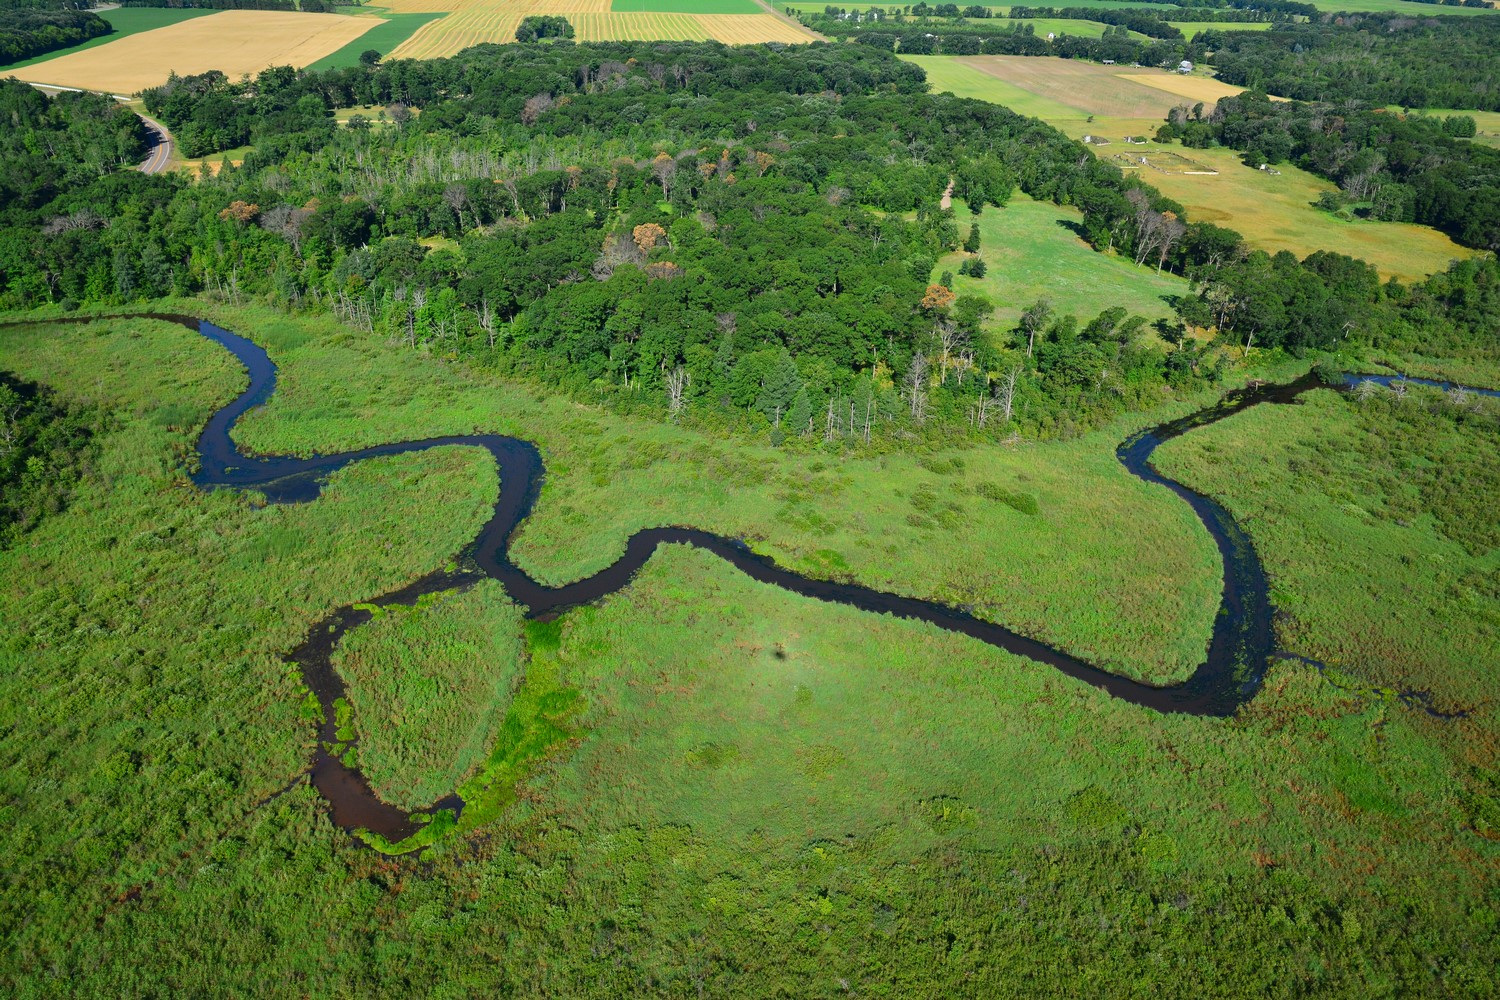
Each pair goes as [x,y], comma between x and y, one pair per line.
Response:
[474,22]
[238,42]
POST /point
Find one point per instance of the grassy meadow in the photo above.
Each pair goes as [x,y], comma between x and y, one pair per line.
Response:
[1274,212]
[1030,252]
[429,685]
[387,36]
[703,783]
[1376,523]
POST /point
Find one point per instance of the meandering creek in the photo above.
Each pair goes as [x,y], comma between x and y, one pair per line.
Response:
[1239,650]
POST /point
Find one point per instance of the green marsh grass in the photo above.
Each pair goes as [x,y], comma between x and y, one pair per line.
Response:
[430,684]
[1376,522]
[702,784]
[1109,567]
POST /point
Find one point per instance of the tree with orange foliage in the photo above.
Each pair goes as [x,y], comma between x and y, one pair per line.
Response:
[239,211]
[647,235]
[938,298]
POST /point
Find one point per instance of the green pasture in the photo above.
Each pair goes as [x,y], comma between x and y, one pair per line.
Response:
[1278,211]
[383,38]
[949,74]
[1191,28]
[1031,251]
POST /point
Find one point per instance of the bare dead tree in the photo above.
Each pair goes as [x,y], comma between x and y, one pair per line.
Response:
[485,314]
[536,106]
[664,168]
[678,380]
[950,338]
[456,197]
[1171,232]
[916,388]
[1005,392]
[1033,320]
[418,303]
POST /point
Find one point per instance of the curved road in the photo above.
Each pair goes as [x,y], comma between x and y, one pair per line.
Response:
[161,152]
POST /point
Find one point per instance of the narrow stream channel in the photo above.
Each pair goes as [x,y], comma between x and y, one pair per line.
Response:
[1242,644]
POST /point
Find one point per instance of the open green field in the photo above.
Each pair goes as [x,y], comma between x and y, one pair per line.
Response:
[1031,253]
[383,38]
[1273,211]
[1191,28]
[951,74]
[1278,212]
[1404,491]
[767,795]
[126,21]
[1487,122]
[1402,7]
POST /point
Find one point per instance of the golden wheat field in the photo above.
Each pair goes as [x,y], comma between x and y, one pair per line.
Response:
[1194,88]
[236,41]
[473,22]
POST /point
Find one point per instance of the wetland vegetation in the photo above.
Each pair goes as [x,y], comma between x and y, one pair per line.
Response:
[736,290]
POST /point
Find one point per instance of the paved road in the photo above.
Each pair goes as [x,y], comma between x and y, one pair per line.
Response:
[161,152]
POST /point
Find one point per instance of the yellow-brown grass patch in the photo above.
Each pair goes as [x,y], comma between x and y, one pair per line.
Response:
[238,42]
[1092,89]
[1194,88]
[746,29]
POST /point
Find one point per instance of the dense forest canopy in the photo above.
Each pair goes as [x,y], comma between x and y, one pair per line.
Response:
[26,32]
[1429,62]
[965,36]
[586,215]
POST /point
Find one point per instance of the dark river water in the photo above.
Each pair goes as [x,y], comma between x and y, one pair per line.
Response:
[1241,647]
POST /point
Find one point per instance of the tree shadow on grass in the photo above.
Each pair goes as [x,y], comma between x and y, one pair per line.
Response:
[1075,227]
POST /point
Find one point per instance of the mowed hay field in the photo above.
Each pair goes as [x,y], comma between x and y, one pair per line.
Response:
[238,42]
[475,22]
[1103,91]
[1274,212]
[1031,252]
